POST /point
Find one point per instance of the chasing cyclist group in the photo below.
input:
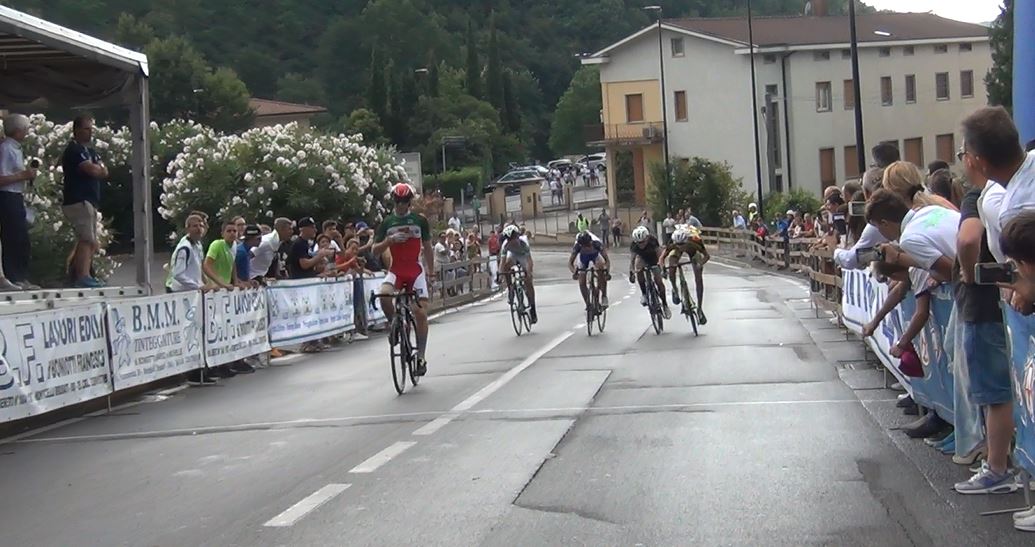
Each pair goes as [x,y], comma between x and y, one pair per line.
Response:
[407,235]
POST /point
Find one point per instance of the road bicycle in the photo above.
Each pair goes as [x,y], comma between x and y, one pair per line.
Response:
[595,312]
[517,299]
[689,307]
[654,305]
[402,341]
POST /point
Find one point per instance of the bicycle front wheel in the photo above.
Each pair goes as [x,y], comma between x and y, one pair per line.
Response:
[591,309]
[656,317]
[689,305]
[399,354]
[516,309]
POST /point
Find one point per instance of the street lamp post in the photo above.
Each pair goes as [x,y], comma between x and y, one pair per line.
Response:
[754,110]
[664,108]
[860,146]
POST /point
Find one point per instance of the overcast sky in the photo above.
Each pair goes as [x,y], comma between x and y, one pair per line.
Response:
[974,11]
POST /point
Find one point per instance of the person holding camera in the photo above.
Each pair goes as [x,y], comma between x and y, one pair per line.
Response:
[15,178]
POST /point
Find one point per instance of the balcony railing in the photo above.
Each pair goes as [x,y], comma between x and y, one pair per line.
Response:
[625,133]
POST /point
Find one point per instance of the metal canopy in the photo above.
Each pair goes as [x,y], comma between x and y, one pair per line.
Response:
[43,64]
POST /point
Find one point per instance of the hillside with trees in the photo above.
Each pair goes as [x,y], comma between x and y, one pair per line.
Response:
[404,72]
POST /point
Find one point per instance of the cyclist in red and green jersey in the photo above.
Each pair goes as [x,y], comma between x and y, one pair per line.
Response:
[408,236]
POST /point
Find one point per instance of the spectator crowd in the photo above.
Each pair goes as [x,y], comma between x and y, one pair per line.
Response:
[965,233]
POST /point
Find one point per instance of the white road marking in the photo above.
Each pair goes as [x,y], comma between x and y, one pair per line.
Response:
[436,424]
[725,265]
[468,403]
[294,513]
[579,326]
[382,457]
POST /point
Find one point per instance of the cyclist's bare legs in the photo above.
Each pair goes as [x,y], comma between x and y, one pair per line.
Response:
[584,287]
[602,283]
[699,279]
[659,282]
[530,285]
[387,297]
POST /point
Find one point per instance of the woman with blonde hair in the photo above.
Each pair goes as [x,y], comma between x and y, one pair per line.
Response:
[906,180]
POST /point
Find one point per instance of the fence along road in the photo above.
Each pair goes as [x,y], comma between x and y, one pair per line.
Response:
[553,437]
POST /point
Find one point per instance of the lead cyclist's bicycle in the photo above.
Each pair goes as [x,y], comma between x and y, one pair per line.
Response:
[402,341]
[516,296]
[654,302]
[689,307]
[595,312]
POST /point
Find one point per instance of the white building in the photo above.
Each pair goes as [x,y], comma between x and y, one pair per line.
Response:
[920,75]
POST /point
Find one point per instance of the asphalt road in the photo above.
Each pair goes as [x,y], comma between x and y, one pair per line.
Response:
[746,435]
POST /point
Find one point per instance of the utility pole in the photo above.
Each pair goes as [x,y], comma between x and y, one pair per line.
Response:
[754,113]
[860,145]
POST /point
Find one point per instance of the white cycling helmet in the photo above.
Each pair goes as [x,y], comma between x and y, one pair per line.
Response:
[510,231]
[680,237]
[641,233]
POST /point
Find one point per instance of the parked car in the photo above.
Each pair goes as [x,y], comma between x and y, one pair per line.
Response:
[598,160]
[512,181]
[542,171]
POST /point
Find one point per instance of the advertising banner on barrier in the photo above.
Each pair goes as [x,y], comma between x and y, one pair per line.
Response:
[235,325]
[309,309]
[51,359]
[861,297]
[1021,336]
[371,287]
[154,337]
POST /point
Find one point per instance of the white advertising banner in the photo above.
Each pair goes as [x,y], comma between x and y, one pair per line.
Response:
[371,287]
[304,310]
[861,298]
[235,325]
[154,337]
[52,359]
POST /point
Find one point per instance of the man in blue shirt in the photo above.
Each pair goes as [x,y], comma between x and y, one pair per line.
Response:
[252,238]
[83,173]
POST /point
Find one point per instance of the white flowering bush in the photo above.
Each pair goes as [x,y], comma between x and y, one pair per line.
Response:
[282,170]
[51,235]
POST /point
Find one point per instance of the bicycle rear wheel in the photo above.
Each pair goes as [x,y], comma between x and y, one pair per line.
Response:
[689,304]
[591,309]
[654,302]
[515,311]
[410,328]
[397,349]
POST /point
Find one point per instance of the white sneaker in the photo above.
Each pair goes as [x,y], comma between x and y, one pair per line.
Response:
[1026,514]
[603,302]
[358,336]
[1026,524]
[6,285]
[666,312]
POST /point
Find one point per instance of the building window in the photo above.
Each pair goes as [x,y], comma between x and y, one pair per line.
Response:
[821,55]
[769,59]
[967,83]
[885,52]
[914,149]
[846,54]
[681,115]
[677,47]
[851,162]
[827,173]
[886,94]
[634,108]
[910,88]
[945,147]
[965,47]
[822,96]
[942,48]
[908,51]
[849,94]
[941,86]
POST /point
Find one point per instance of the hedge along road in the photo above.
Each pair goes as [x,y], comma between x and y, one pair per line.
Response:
[745,435]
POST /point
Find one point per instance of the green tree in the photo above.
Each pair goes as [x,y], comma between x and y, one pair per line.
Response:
[511,109]
[298,88]
[999,80]
[474,69]
[368,124]
[705,186]
[433,78]
[184,86]
[777,204]
[377,88]
[579,106]
[133,33]
[494,70]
